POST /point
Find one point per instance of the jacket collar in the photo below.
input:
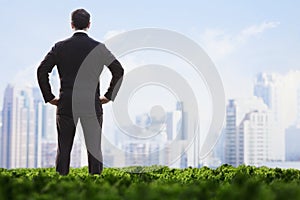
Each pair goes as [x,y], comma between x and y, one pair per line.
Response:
[80,32]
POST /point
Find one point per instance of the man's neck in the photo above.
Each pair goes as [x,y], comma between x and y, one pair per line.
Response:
[80,31]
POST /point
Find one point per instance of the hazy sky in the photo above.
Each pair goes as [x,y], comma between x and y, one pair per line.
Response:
[242,37]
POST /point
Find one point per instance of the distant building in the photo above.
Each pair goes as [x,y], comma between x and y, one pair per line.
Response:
[292,139]
[141,153]
[267,87]
[169,144]
[20,134]
[256,130]
[236,111]
[280,93]
[49,122]
[38,104]
[28,133]
[174,123]
[49,150]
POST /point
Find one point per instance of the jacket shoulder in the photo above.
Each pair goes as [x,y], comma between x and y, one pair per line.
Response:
[62,42]
[94,41]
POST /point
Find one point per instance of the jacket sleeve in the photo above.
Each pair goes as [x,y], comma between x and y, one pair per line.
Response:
[43,71]
[117,72]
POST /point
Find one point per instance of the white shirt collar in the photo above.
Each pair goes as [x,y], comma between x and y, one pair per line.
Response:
[81,31]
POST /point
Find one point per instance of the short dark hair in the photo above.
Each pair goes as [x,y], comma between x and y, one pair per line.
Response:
[80,19]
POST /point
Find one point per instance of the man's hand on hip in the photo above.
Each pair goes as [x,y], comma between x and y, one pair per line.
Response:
[54,101]
[104,100]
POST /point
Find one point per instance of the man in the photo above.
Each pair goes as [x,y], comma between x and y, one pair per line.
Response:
[79,60]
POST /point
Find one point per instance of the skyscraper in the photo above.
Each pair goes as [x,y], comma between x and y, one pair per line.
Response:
[236,111]
[38,124]
[18,144]
[266,86]
[256,128]
[174,123]
[281,94]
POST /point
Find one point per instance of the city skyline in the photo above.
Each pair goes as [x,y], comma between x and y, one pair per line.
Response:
[28,137]
[255,133]
[260,129]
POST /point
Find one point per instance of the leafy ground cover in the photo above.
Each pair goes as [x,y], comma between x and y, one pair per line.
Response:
[156,182]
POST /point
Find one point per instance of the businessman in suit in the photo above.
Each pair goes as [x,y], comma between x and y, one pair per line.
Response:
[69,56]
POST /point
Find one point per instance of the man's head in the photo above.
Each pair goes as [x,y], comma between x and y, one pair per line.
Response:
[80,19]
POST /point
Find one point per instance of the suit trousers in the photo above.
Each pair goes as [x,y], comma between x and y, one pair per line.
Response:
[66,128]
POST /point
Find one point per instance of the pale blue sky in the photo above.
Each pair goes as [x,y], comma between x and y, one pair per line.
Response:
[242,37]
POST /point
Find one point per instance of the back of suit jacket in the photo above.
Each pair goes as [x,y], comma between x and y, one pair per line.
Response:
[68,56]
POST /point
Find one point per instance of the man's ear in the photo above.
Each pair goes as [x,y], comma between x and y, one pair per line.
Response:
[72,25]
[89,25]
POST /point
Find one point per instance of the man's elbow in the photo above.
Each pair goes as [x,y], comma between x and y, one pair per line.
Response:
[121,71]
[39,73]
[120,68]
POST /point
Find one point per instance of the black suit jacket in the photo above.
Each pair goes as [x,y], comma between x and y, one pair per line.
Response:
[68,56]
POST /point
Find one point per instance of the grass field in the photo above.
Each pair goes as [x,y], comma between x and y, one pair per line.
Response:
[156,182]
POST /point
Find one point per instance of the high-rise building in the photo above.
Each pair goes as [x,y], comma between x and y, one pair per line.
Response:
[292,150]
[280,93]
[49,122]
[7,127]
[174,124]
[19,136]
[267,87]
[176,152]
[256,128]
[38,125]
[234,139]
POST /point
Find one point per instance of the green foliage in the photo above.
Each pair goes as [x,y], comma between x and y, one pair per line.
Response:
[155,182]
